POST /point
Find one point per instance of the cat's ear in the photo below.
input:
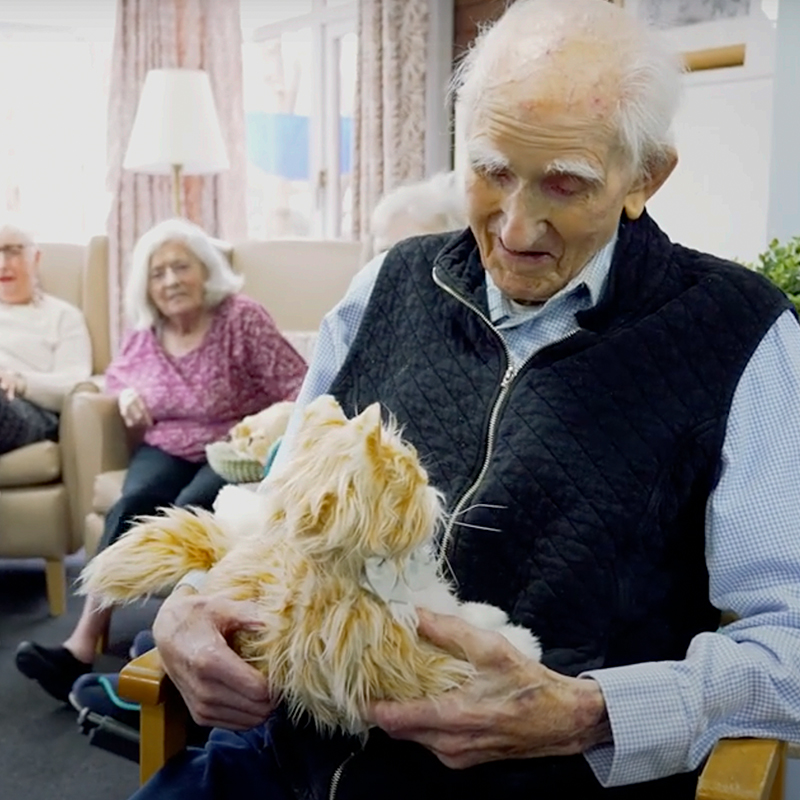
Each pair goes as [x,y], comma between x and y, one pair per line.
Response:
[370,417]
[370,421]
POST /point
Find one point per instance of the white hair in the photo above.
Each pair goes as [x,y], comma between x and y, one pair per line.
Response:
[13,223]
[516,47]
[434,205]
[222,281]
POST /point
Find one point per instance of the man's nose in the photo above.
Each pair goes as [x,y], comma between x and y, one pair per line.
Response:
[524,222]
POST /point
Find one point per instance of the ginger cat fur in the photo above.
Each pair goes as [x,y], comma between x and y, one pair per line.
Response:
[352,494]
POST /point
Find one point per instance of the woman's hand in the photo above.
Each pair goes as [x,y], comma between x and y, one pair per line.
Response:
[12,384]
[133,410]
[220,689]
[514,708]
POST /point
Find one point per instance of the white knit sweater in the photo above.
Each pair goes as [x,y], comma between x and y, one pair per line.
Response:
[46,342]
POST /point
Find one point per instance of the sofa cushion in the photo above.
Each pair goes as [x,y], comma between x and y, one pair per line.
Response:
[107,490]
[31,465]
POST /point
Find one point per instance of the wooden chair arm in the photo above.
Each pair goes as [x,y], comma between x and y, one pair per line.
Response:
[164,718]
[744,769]
[737,769]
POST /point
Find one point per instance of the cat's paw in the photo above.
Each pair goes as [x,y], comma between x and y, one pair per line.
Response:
[483,615]
[523,640]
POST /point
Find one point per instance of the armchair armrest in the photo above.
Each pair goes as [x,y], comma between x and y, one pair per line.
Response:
[737,769]
[97,440]
[744,769]
[163,717]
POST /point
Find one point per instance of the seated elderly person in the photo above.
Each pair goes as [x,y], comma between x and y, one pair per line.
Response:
[434,205]
[200,357]
[44,346]
[612,420]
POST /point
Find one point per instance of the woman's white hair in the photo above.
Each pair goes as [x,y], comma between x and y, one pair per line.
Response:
[434,205]
[514,49]
[222,281]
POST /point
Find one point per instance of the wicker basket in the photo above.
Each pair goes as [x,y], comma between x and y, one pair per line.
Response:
[232,466]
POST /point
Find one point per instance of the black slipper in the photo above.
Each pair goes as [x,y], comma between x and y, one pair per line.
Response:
[54,668]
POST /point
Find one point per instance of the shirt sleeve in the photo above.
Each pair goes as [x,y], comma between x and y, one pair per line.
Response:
[118,373]
[275,368]
[336,334]
[744,679]
[72,363]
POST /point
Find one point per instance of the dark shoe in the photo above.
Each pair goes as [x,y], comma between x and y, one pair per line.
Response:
[54,668]
[99,693]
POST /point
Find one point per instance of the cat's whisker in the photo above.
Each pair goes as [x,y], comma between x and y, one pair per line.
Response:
[477,527]
[477,505]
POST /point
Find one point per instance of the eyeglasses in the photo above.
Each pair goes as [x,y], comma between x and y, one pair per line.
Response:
[13,250]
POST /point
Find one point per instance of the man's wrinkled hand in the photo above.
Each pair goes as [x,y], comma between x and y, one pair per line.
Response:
[513,708]
[220,688]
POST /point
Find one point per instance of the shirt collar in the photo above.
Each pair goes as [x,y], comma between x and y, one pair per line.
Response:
[591,278]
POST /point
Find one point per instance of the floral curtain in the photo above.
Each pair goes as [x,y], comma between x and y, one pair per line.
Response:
[153,34]
[390,102]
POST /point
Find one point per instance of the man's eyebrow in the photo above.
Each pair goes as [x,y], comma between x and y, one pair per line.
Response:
[575,168]
[481,156]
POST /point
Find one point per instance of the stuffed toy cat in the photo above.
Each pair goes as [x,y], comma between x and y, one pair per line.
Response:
[336,550]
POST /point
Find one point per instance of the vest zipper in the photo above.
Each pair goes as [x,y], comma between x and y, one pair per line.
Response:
[337,777]
[505,385]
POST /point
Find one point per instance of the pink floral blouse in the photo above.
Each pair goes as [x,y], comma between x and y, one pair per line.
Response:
[242,365]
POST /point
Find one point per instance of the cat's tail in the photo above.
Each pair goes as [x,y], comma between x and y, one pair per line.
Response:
[154,555]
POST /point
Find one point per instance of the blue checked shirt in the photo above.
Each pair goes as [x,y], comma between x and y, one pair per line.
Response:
[743,680]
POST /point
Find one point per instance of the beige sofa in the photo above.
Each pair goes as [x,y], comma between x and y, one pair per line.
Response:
[37,482]
[297,281]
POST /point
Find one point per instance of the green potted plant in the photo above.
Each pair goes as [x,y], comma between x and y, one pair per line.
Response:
[780,263]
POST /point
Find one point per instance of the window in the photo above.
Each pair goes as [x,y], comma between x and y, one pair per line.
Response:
[54,75]
[299,60]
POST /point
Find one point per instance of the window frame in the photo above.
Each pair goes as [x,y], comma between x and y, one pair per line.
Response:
[327,25]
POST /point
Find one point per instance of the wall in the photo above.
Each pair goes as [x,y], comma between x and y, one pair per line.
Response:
[718,197]
[467,16]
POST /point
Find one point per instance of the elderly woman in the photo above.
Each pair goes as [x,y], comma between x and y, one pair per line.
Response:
[612,420]
[44,346]
[199,358]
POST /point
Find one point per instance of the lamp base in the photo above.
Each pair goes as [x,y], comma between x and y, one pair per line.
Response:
[177,180]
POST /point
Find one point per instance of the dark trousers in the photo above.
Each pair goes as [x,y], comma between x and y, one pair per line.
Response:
[23,422]
[154,480]
[240,765]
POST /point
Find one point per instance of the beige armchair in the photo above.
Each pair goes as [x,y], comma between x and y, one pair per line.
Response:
[298,281]
[737,769]
[37,482]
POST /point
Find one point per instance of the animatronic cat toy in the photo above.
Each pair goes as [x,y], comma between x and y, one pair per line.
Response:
[336,551]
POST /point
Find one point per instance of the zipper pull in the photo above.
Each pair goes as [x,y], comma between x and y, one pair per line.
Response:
[508,377]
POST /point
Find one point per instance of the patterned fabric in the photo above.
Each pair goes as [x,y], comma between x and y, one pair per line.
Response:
[728,684]
[390,101]
[242,366]
[22,422]
[153,34]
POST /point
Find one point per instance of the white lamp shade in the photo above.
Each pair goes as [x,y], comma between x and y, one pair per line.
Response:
[176,124]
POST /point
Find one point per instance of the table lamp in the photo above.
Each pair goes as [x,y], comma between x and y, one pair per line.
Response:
[176,130]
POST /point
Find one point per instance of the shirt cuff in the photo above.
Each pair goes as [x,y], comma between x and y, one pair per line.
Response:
[651,734]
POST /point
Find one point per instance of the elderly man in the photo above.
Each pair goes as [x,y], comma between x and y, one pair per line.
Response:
[611,417]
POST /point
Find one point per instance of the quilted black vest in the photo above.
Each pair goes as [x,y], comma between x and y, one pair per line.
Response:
[578,483]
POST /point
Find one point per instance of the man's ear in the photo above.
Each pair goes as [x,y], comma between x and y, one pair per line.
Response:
[646,187]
